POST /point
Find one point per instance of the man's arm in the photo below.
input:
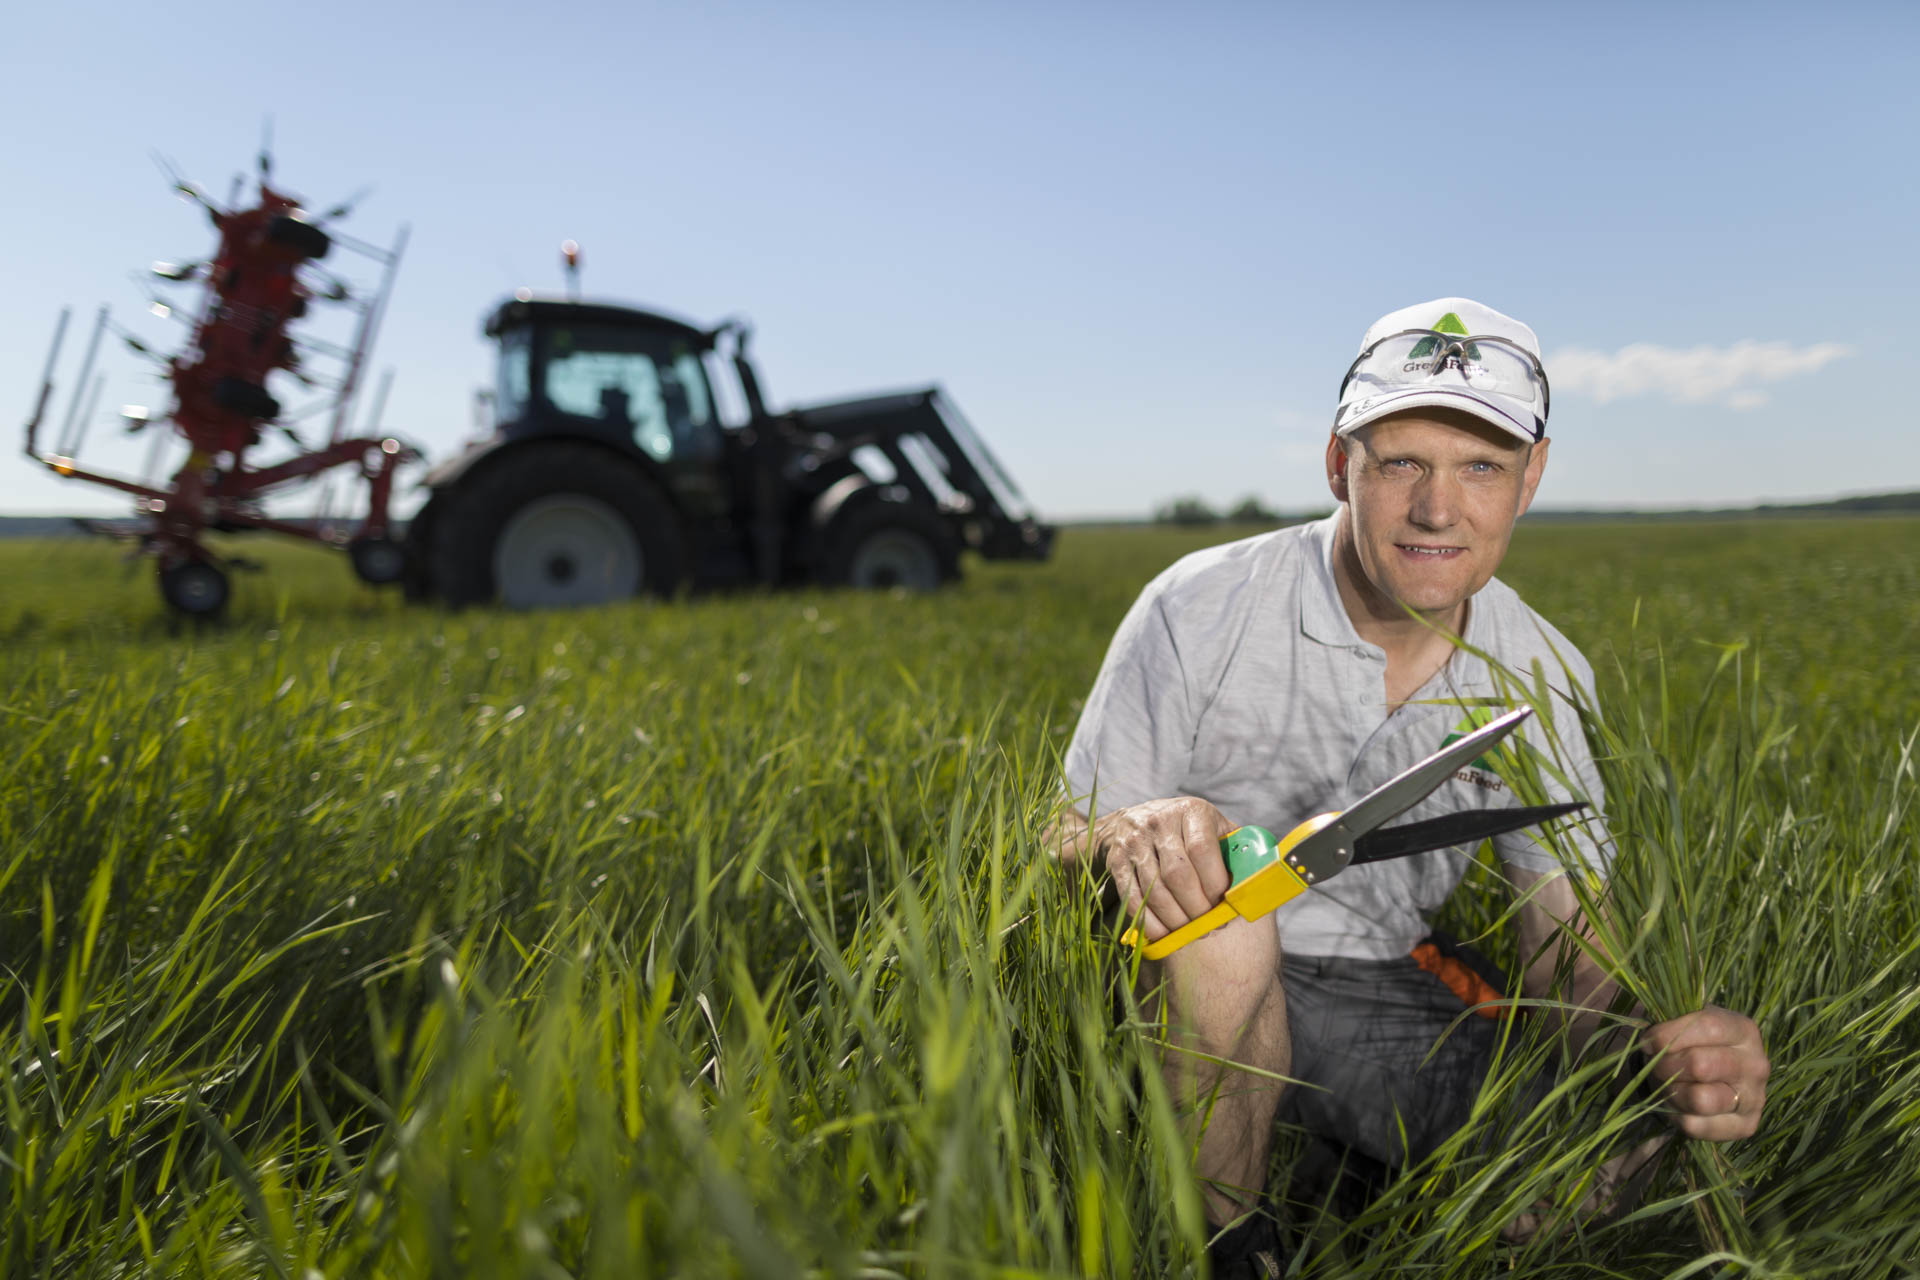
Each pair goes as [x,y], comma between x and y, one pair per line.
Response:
[1712,1063]
[1550,918]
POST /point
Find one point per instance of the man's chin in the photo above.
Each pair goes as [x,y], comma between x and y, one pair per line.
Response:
[1431,598]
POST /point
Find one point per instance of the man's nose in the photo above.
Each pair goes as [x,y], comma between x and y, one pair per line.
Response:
[1436,502]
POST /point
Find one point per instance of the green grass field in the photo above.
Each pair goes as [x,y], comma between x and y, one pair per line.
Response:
[348,939]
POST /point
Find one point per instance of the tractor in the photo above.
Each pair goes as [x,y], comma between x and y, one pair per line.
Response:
[609,472]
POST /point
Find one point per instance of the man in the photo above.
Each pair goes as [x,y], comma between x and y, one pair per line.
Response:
[1270,679]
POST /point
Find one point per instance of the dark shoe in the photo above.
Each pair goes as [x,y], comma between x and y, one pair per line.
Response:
[1250,1250]
[1332,1178]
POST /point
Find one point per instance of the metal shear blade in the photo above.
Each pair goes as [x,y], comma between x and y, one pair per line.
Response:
[1329,850]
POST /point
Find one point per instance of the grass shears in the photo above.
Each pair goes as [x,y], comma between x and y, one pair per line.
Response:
[1269,871]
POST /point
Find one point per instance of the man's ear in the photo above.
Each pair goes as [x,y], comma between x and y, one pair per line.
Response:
[1337,467]
[1536,464]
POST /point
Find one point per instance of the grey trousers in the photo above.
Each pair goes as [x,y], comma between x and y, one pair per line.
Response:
[1364,1038]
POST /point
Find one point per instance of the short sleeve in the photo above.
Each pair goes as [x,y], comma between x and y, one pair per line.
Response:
[1566,772]
[1134,740]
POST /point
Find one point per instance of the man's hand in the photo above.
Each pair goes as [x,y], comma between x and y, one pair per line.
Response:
[1714,1069]
[1163,857]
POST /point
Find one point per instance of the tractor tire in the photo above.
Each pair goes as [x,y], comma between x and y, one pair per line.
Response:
[299,235]
[417,581]
[195,588]
[377,561]
[557,525]
[880,545]
[248,399]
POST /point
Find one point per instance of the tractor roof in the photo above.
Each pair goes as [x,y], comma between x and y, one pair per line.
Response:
[515,312]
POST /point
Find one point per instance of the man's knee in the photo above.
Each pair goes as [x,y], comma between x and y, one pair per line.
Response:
[1226,1000]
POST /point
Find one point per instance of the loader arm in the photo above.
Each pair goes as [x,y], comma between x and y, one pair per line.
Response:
[935,454]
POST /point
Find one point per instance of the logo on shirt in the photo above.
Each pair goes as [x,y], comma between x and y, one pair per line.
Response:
[1483,770]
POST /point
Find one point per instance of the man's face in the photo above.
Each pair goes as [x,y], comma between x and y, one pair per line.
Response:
[1432,495]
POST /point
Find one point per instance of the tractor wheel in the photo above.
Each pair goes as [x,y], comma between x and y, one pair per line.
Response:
[248,399]
[558,524]
[377,561]
[417,580]
[891,544]
[195,588]
[299,235]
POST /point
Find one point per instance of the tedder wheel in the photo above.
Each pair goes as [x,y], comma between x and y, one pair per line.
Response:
[195,588]
[378,561]
[891,544]
[558,523]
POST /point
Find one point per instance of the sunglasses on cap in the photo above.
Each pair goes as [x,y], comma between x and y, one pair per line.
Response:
[1421,359]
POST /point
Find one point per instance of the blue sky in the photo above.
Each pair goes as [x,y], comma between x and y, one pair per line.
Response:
[1137,243]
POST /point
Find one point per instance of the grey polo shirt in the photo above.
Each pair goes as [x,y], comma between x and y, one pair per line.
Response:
[1238,677]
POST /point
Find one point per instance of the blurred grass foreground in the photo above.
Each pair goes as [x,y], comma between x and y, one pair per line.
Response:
[714,939]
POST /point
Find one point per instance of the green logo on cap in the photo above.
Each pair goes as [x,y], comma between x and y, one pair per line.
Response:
[1448,323]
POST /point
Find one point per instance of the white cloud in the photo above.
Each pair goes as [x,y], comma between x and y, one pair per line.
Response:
[1729,375]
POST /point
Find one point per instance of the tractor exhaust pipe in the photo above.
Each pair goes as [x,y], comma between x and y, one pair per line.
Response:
[743,366]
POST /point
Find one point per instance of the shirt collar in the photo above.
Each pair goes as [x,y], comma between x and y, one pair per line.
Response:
[1323,616]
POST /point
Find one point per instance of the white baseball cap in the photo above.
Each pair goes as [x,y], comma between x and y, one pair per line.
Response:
[1500,382]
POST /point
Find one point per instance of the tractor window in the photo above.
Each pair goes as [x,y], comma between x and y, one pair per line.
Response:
[690,416]
[589,375]
[729,406]
[628,382]
[515,387]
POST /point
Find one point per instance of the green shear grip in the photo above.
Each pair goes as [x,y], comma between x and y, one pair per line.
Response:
[1247,850]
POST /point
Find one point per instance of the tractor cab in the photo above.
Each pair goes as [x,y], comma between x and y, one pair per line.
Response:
[634,378]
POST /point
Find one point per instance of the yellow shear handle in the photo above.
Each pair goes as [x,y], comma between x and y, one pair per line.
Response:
[1191,931]
[1267,889]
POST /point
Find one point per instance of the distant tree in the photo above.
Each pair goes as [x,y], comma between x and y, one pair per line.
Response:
[1189,510]
[1250,510]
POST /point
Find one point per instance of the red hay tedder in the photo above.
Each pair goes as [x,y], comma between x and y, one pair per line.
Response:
[261,280]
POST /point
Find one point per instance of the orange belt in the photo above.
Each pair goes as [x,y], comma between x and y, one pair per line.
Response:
[1462,981]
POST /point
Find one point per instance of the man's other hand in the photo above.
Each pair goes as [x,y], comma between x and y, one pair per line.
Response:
[1714,1070]
[1162,857]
